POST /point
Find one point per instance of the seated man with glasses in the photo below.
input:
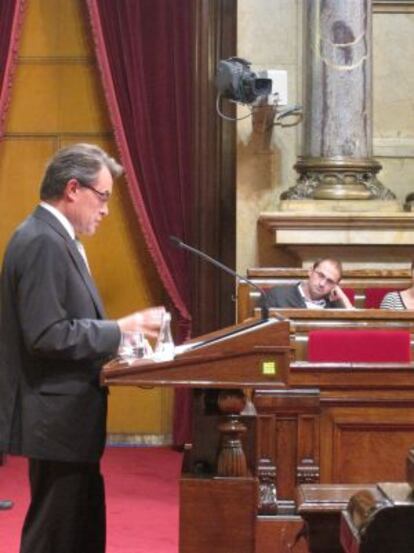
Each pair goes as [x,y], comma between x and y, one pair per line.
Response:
[321,290]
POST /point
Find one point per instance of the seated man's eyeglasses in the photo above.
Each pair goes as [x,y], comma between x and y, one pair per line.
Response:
[321,276]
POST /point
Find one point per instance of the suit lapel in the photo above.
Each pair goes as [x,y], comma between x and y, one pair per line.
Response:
[299,299]
[76,257]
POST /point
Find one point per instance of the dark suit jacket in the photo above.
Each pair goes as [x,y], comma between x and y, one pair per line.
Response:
[290,297]
[53,342]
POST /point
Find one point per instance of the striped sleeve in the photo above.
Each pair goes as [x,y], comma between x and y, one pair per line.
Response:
[392,300]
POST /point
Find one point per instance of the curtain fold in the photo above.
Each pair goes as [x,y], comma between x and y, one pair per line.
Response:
[145,61]
[11,17]
[144,52]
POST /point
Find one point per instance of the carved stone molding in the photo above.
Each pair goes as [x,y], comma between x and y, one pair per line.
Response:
[337,179]
[354,237]
[337,221]
[393,6]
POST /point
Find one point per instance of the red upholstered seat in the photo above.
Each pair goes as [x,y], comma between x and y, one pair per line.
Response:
[350,293]
[358,346]
[374,297]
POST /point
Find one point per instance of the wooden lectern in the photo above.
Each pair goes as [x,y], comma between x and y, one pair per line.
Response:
[219,509]
[251,354]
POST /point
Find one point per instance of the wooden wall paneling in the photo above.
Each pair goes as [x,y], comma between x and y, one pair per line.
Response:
[63,98]
[286,452]
[22,161]
[277,535]
[308,469]
[266,437]
[364,442]
[214,196]
[296,434]
[266,463]
[52,29]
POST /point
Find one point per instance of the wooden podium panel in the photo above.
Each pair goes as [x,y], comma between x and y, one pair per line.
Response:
[217,514]
[256,353]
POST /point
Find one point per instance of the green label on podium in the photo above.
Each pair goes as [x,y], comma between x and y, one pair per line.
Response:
[269,368]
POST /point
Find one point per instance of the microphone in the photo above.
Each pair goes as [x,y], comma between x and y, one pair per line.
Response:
[265,306]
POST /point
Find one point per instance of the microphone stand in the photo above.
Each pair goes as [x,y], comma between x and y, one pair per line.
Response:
[231,460]
[264,307]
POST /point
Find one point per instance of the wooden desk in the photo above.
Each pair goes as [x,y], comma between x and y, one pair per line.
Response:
[302,321]
[337,423]
[334,424]
[320,507]
[387,529]
[330,526]
[315,423]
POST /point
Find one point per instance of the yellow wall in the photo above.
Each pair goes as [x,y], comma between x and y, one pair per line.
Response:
[57,100]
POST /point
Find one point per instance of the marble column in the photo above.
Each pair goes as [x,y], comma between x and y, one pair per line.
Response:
[336,161]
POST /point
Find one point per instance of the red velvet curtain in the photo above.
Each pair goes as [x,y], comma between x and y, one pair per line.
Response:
[144,51]
[11,15]
[144,54]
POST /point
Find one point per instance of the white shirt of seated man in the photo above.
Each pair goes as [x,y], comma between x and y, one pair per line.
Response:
[312,304]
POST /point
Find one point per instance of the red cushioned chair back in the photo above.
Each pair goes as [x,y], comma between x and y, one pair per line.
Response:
[359,346]
[350,293]
[374,297]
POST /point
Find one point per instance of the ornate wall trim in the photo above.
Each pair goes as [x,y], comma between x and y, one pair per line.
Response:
[393,6]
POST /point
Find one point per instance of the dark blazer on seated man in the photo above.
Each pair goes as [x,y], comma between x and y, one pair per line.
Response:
[320,291]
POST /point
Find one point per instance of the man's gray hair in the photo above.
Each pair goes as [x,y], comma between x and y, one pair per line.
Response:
[82,162]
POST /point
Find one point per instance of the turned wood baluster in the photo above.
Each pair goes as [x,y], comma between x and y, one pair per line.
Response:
[231,459]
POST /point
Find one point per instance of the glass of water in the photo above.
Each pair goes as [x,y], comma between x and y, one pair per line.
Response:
[132,346]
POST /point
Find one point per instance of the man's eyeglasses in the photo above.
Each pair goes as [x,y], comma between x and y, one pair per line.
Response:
[103,196]
[321,276]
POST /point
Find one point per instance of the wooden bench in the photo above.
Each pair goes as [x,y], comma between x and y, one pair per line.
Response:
[334,525]
[357,279]
[302,321]
[320,506]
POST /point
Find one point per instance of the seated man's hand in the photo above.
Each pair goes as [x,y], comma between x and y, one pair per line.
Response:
[337,294]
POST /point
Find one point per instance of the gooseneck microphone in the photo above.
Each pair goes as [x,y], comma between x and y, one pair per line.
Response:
[265,306]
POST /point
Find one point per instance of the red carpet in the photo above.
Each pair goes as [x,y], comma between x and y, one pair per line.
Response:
[141,499]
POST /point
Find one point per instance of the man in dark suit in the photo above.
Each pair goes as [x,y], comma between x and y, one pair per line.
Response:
[321,290]
[54,339]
